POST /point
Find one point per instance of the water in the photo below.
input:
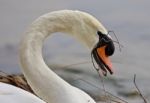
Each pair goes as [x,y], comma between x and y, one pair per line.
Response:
[129,19]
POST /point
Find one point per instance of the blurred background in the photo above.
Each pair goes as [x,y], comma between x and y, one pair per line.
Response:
[129,19]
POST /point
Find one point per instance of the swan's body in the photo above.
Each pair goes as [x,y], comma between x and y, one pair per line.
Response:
[44,82]
[12,94]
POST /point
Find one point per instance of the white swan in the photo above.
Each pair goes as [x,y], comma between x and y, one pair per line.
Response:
[45,83]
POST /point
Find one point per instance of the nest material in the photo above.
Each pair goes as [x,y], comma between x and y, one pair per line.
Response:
[17,80]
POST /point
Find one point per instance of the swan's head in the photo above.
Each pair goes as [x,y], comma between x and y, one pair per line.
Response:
[101,52]
[92,33]
[89,31]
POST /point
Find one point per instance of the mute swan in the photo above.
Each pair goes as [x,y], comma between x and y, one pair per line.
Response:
[44,82]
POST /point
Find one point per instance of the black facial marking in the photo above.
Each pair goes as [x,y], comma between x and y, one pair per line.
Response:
[104,40]
[100,34]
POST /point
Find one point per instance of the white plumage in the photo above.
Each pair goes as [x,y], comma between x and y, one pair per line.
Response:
[44,82]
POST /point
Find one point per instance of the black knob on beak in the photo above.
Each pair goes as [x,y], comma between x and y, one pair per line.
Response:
[110,49]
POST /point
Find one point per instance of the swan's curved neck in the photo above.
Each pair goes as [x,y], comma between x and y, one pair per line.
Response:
[42,80]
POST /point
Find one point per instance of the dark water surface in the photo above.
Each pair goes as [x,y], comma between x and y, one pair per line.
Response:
[129,19]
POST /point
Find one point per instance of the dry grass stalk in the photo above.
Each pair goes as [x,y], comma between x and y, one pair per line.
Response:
[141,95]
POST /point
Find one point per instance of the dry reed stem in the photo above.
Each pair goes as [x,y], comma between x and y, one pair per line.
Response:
[141,95]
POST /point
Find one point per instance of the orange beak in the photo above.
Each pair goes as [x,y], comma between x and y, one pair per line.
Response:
[105,59]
